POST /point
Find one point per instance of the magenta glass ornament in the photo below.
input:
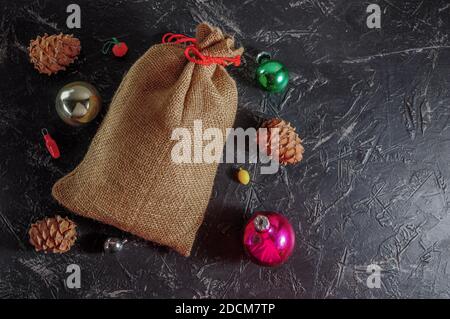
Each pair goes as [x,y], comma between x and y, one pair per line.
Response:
[269,238]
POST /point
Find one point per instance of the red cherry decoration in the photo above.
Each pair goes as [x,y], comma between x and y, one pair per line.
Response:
[120,49]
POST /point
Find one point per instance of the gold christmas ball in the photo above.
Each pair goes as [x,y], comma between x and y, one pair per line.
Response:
[78,103]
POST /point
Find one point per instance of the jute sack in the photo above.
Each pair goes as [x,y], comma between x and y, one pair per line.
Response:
[127,178]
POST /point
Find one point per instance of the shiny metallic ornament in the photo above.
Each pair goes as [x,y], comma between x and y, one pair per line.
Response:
[269,238]
[114,245]
[271,75]
[78,103]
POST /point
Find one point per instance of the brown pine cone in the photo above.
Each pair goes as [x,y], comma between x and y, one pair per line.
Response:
[53,53]
[290,149]
[55,234]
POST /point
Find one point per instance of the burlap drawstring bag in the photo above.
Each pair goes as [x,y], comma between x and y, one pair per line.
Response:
[127,178]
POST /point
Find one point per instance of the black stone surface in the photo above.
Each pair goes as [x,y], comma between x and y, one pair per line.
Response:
[373,107]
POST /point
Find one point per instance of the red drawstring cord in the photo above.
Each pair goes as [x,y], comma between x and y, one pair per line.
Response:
[179,38]
[193,54]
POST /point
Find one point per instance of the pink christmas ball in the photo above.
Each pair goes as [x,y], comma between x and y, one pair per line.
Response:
[269,238]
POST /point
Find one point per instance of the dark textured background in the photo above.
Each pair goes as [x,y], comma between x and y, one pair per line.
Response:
[373,107]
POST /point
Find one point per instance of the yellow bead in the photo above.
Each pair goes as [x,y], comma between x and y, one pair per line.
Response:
[243,176]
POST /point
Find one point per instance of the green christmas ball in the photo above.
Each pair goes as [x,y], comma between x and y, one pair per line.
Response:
[272,76]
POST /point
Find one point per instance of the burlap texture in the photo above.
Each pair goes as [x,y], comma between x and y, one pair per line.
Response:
[127,178]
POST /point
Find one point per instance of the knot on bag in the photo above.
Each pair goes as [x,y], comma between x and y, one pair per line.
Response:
[194,54]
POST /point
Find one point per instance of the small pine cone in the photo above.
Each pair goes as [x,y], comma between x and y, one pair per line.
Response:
[53,53]
[290,149]
[55,234]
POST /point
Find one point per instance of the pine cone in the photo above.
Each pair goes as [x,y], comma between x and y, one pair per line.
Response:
[55,234]
[53,53]
[290,149]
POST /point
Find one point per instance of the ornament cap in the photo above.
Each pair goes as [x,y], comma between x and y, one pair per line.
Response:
[114,245]
[263,56]
[262,223]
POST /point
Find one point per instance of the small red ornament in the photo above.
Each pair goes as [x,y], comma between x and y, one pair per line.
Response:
[50,144]
[119,49]
[269,238]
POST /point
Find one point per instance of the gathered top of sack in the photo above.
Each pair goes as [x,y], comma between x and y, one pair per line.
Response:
[210,46]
